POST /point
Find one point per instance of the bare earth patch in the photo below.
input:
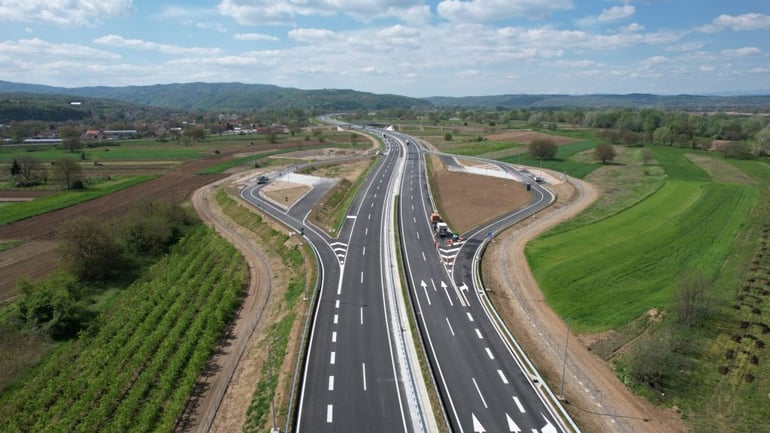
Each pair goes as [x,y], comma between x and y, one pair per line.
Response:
[285,193]
[468,200]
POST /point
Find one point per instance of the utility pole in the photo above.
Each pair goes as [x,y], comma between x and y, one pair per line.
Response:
[564,364]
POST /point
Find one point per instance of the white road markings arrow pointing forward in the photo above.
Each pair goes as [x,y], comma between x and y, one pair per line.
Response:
[512,427]
[477,427]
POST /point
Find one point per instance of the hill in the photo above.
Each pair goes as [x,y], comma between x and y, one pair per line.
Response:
[632,100]
[231,97]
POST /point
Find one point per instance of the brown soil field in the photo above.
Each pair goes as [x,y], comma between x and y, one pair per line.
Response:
[285,193]
[468,200]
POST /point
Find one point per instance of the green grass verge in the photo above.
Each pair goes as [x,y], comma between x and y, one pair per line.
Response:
[563,161]
[624,265]
[27,209]
[8,245]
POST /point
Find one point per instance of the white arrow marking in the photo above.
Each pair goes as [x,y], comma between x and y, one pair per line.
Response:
[548,428]
[477,427]
[443,285]
[464,287]
[512,427]
[425,289]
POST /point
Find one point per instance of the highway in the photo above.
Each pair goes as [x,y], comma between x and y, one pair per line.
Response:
[484,386]
[352,379]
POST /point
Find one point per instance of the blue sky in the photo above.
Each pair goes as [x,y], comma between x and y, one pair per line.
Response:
[407,47]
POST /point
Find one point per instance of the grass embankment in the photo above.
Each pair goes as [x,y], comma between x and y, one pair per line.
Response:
[566,160]
[333,208]
[21,210]
[626,264]
[297,271]
[136,368]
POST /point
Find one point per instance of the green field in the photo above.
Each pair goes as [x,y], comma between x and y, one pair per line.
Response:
[624,265]
[135,370]
[564,161]
[18,211]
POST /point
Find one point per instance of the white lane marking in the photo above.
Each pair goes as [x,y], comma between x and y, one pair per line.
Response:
[418,235]
[502,376]
[363,373]
[489,353]
[331,383]
[444,286]
[479,391]
[425,288]
[412,207]
[481,337]
[433,283]
[329,410]
[364,253]
[470,317]
[333,358]
[423,257]
[336,318]
[372,205]
[334,336]
[518,404]
[362,315]
[414,219]
[362,277]
[337,304]
[366,232]
[450,327]
[370,216]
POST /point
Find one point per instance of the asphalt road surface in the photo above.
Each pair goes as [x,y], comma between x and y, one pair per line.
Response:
[351,381]
[482,383]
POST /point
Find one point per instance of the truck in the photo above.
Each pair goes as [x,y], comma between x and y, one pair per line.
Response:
[440,228]
[262,180]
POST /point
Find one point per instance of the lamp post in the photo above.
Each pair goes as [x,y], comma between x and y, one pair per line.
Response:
[564,364]
[270,374]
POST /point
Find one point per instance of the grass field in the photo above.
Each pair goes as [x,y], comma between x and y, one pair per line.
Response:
[18,211]
[564,161]
[626,264]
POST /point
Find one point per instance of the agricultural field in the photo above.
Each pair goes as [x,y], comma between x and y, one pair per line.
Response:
[690,215]
[136,368]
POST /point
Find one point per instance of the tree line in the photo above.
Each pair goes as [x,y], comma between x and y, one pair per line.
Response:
[96,253]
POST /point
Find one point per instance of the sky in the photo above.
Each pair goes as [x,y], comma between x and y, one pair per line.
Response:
[416,48]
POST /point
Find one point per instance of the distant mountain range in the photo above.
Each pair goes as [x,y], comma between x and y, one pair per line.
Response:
[249,97]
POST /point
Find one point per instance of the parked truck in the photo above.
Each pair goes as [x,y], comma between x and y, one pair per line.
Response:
[440,228]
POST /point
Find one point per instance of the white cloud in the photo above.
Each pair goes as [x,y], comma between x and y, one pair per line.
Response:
[690,46]
[286,11]
[616,13]
[705,68]
[40,49]
[64,13]
[751,21]
[494,10]
[741,52]
[138,44]
[632,28]
[255,37]
[312,35]
[759,70]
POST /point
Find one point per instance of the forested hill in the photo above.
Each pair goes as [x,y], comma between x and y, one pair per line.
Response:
[232,97]
[633,100]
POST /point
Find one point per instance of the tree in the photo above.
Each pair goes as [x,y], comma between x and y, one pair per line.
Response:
[542,148]
[271,137]
[654,360]
[447,136]
[604,152]
[55,306]
[353,138]
[15,169]
[30,168]
[647,156]
[70,136]
[761,142]
[693,304]
[67,170]
[88,248]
